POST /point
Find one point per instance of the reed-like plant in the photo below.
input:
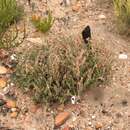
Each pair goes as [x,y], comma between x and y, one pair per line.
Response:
[122,10]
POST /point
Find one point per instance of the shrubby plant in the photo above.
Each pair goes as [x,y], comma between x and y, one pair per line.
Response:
[59,70]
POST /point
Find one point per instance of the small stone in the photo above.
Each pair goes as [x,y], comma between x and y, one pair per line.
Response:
[119,115]
[3,70]
[66,128]
[11,104]
[13,109]
[104,111]
[71,127]
[98,125]
[109,128]
[2,102]
[93,117]
[35,40]
[2,83]
[61,108]
[88,128]
[124,102]
[102,16]
[61,118]
[74,118]
[13,57]
[6,90]
[12,84]
[35,17]
[90,123]
[34,108]
[122,56]
[76,7]
[14,114]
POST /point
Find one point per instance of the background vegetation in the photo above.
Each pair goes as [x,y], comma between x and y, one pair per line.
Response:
[122,9]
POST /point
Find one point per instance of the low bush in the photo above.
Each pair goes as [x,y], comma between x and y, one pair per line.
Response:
[122,10]
[9,12]
[43,24]
[57,71]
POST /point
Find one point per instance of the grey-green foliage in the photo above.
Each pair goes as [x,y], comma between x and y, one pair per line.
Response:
[55,72]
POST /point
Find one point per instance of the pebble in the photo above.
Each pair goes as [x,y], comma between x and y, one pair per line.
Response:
[2,83]
[124,102]
[93,117]
[76,7]
[6,90]
[61,118]
[35,18]
[61,108]
[34,108]
[119,114]
[98,125]
[35,40]
[74,118]
[14,114]
[66,128]
[13,57]
[123,56]
[104,111]
[12,84]
[3,70]
[11,104]
[13,109]
[102,16]
[88,128]
[90,123]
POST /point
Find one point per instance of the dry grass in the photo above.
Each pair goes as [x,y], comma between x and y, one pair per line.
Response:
[59,70]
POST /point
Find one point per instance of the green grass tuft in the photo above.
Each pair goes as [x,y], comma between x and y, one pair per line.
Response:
[9,13]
